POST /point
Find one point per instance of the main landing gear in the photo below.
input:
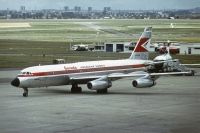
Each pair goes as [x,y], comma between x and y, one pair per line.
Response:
[25,94]
[76,89]
[102,91]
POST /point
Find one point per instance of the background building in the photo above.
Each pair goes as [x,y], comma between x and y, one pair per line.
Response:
[190,48]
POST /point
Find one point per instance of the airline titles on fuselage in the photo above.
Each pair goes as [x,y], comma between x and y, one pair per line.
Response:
[83,67]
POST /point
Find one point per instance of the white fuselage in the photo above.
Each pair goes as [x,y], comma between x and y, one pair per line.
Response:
[55,75]
[163,57]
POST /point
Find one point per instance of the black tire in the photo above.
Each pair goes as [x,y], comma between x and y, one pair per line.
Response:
[192,72]
[25,94]
[76,90]
[102,91]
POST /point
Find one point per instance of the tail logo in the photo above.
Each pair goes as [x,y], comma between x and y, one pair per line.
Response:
[141,46]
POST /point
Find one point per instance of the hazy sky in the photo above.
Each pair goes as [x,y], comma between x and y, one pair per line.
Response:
[99,4]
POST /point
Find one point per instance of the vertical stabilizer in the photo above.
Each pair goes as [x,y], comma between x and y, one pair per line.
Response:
[140,51]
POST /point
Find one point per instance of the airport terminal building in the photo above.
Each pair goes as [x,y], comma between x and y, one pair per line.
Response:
[127,47]
[118,47]
[115,47]
[190,48]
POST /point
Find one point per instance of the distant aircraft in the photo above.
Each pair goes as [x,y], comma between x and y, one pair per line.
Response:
[98,75]
[80,47]
[165,63]
[172,49]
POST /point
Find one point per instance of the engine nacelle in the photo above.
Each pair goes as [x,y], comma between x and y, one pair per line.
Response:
[99,84]
[143,83]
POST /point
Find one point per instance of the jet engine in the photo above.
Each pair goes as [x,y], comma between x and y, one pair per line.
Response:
[143,83]
[99,84]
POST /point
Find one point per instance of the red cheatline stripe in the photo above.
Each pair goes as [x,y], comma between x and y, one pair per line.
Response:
[50,73]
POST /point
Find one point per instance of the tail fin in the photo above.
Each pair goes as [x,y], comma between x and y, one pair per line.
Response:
[141,48]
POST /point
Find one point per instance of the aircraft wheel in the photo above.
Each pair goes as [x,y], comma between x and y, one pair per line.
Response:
[102,91]
[192,73]
[25,94]
[76,89]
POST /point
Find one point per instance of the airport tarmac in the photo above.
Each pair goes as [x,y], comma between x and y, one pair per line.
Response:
[172,106]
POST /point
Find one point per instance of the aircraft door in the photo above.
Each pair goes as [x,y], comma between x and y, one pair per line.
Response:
[189,51]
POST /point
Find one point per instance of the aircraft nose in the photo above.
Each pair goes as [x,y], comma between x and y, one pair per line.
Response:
[15,82]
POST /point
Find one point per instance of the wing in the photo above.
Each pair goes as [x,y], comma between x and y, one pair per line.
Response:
[190,64]
[159,62]
[116,76]
[145,74]
[112,76]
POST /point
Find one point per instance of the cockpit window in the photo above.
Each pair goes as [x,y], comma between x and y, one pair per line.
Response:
[26,73]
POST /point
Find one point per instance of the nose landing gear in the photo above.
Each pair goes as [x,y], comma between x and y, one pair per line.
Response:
[25,94]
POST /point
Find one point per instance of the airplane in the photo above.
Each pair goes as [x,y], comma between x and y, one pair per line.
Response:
[80,47]
[165,63]
[172,49]
[98,75]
